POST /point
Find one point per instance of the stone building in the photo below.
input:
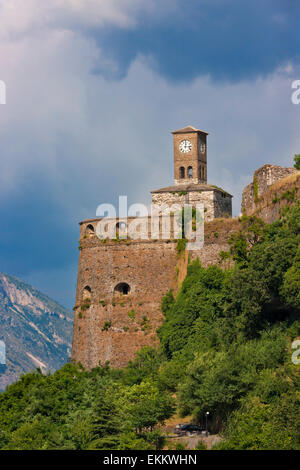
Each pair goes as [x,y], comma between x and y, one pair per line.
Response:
[121,281]
[190,177]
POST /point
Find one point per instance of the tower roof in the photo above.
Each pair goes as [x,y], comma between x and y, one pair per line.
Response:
[190,187]
[188,130]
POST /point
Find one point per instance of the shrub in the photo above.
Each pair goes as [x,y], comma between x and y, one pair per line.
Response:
[106,325]
[131,315]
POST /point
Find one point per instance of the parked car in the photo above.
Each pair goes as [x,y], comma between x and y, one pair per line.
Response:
[188,429]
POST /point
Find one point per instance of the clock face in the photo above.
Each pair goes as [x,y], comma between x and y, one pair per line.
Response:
[185,146]
[202,147]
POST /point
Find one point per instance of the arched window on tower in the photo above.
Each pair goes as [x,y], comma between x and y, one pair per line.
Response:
[121,228]
[182,172]
[122,288]
[89,231]
[190,172]
[87,293]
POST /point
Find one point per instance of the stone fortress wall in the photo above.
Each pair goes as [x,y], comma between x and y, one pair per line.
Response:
[111,322]
[121,281]
[264,177]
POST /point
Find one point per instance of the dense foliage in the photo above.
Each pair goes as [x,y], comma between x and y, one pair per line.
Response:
[225,347]
[77,409]
[227,338]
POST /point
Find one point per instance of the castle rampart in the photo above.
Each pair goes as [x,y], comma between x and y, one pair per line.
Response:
[263,178]
[127,266]
[120,287]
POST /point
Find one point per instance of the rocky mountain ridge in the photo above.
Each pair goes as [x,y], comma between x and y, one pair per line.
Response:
[36,331]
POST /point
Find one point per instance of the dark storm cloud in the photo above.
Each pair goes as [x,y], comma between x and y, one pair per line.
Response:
[228,40]
[71,139]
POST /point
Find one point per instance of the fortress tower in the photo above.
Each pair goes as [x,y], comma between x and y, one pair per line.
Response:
[121,281]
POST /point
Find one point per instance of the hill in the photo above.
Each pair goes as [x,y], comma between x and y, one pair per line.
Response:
[36,330]
[225,347]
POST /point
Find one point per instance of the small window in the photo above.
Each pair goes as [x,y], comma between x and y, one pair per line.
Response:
[181,172]
[122,288]
[190,172]
[89,231]
[87,292]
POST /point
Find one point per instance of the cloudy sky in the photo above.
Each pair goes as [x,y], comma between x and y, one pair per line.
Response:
[94,88]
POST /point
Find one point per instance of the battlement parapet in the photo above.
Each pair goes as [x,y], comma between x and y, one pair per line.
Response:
[166,226]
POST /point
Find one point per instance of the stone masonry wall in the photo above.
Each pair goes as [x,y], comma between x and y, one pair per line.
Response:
[222,205]
[280,194]
[216,203]
[264,177]
[150,269]
[115,326]
[191,197]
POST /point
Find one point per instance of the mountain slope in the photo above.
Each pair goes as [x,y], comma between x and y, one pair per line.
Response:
[36,330]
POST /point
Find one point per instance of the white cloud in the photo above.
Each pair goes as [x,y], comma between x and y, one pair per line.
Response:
[19,17]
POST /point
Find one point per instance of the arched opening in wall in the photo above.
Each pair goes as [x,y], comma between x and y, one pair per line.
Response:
[190,172]
[121,228]
[122,288]
[87,293]
[89,231]
[182,172]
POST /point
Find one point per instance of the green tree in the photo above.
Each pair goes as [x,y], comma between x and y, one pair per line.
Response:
[297,162]
[40,434]
[145,365]
[241,242]
[144,406]
[259,426]
[107,422]
[290,288]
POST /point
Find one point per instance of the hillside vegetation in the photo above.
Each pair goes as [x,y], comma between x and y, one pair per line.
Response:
[225,347]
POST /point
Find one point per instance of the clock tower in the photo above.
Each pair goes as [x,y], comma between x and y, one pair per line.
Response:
[190,178]
[190,156]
